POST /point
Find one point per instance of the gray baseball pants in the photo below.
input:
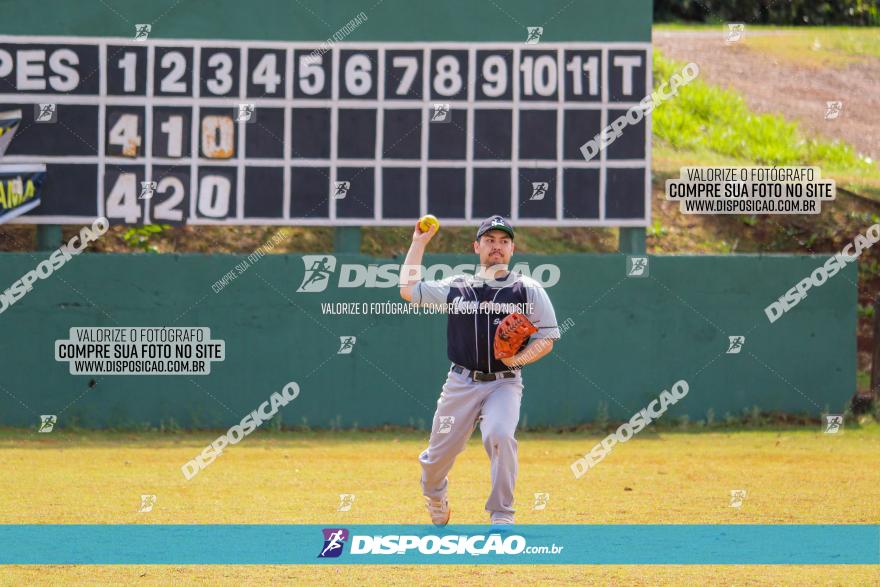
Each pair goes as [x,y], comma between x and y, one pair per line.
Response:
[496,405]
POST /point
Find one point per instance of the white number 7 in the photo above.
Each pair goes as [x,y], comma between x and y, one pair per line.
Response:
[411,66]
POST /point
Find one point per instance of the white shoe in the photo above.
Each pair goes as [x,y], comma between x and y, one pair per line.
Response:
[501,519]
[439,510]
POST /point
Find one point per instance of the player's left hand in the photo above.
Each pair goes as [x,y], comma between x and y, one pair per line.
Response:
[509,361]
[511,335]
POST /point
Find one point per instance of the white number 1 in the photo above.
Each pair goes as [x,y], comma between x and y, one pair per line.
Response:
[173,127]
[128,65]
[576,66]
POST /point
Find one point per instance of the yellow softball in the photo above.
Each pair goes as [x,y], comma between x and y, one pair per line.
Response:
[426,221]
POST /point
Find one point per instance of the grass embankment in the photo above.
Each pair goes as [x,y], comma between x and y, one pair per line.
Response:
[708,125]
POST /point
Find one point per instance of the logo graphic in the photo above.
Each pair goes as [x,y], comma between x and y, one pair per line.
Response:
[736,497]
[318,270]
[833,424]
[10,120]
[832,109]
[534,34]
[47,423]
[147,503]
[636,266]
[497,221]
[736,344]
[346,345]
[334,540]
[446,423]
[342,188]
[735,32]
[346,500]
[47,113]
[441,113]
[246,113]
[539,190]
[148,188]
[142,31]
[541,500]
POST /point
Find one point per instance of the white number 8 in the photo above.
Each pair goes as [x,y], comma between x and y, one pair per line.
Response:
[448,80]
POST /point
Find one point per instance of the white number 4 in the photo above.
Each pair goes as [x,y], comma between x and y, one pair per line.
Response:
[124,134]
[122,201]
[266,73]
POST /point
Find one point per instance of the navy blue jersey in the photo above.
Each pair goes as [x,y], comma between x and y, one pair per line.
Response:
[475,308]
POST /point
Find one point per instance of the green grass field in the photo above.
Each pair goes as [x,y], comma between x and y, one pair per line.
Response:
[791,476]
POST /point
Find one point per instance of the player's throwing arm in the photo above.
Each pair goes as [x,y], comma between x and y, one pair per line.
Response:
[411,272]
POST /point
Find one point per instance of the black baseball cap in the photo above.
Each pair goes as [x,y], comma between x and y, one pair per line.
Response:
[494,223]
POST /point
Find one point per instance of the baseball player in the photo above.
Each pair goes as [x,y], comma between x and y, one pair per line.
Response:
[498,322]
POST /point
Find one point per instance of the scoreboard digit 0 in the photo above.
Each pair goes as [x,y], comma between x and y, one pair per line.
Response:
[229,132]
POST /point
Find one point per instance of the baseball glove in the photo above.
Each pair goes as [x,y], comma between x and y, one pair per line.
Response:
[512,334]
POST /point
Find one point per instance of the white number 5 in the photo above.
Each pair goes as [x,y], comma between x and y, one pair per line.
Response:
[310,67]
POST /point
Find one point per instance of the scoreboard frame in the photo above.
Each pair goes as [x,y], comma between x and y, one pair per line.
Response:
[335,102]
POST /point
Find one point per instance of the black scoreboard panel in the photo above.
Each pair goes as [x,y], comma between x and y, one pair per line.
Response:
[228,132]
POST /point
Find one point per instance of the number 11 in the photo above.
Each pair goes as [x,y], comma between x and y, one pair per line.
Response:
[575,66]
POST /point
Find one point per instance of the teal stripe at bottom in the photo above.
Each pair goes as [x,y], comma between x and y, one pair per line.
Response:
[466,544]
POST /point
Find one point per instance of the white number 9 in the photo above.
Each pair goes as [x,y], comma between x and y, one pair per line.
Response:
[495,74]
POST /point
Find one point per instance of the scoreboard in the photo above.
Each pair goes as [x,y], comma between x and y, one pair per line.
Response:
[252,132]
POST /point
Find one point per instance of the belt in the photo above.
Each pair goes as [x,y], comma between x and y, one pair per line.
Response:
[481,376]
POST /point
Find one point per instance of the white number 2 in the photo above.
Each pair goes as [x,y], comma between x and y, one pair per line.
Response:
[166,210]
[175,62]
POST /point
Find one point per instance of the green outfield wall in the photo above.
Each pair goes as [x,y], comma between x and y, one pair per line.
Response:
[304,20]
[630,338]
